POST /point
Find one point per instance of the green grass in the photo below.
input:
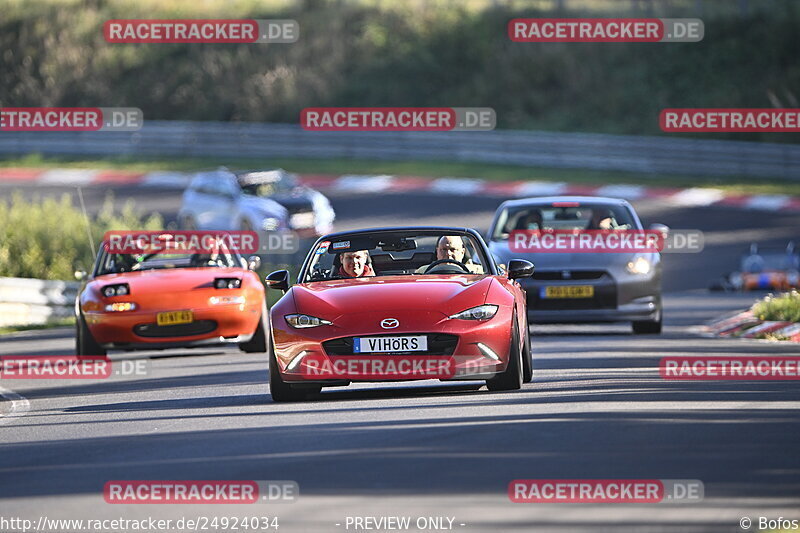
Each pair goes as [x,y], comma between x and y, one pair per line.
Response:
[492,172]
[785,307]
[57,323]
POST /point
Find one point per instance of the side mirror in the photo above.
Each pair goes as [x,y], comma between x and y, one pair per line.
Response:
[80,275]
[664,230]
[278,280]
[253,262]
[519,268]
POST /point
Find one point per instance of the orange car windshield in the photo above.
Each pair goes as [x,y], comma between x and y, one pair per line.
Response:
[118,263]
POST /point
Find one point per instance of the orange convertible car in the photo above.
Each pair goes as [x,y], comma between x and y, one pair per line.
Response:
[169,300]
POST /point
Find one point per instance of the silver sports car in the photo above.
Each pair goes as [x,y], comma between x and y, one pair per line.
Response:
[570,286]
[255,200]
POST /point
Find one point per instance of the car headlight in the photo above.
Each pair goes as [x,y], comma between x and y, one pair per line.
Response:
[121,306]
[302,220]
[482,312]
[270,223]
[226,300]
[227,283]
[305,321]
[121,289]
[640,265]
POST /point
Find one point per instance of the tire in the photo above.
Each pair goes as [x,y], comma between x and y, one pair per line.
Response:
[84,342]
[511,377]
[527,356]
[258,344]
[649,326]
[279,389]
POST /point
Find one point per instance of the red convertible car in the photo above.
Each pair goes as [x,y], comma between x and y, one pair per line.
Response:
[399,304]
[151,301]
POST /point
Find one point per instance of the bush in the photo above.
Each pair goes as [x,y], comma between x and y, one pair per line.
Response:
[785,307]
[48,239]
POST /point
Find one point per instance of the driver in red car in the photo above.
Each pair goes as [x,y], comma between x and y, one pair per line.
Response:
[452,247]
[355,264]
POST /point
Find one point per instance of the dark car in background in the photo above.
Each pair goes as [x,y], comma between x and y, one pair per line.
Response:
[582,287]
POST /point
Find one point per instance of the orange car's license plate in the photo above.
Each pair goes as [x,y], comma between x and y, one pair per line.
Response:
[569,291]
[171,318]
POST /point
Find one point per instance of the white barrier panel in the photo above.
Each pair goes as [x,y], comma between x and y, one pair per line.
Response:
[25,301]
[671,154]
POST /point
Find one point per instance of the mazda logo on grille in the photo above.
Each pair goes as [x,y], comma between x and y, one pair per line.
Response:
[566,274]
[389,323]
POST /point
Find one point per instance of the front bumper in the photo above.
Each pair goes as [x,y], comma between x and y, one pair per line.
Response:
[618,297]
[218,325]
[647,308]
[301,352]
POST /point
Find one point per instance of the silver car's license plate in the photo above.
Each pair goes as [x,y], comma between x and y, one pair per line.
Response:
[416,343]
[302,220]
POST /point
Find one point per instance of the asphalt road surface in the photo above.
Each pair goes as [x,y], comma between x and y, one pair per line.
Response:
[597,409]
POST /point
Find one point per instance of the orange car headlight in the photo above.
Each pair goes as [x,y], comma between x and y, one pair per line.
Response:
[226,300]
[121,306]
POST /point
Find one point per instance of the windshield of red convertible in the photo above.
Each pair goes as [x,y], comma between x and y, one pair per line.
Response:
[396,255]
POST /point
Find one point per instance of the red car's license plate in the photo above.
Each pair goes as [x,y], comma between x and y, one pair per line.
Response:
[416,343]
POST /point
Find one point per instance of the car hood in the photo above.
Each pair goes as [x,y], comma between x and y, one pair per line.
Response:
[170,280]
[446,294]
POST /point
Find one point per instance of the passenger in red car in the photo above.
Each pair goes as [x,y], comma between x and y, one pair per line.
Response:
[355,264]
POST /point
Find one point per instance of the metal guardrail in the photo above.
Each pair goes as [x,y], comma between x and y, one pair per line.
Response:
[646,155]
[25,301]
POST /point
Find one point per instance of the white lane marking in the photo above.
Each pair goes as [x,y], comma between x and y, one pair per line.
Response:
[697,196]
[461,186]
[541,188]
[769,202]
[19,405]
[629,192]
[67,176]
[363,184]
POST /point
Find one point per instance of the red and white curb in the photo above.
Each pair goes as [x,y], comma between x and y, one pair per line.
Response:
[746,326]
[372,184]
